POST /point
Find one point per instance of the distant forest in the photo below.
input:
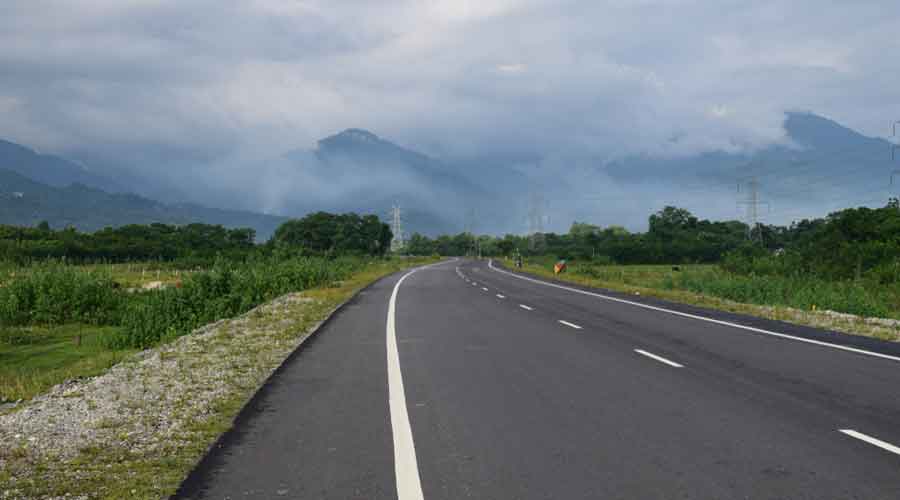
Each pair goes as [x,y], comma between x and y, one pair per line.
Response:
[850,243]
[319,234]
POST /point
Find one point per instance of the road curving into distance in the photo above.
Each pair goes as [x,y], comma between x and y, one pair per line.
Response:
[466,380]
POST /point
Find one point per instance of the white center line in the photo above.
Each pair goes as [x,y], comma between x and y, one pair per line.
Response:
[658,358]
[701,318]
[571,325]
[523,306]
[500,296]
[869,439]
[485,289]
[406,467]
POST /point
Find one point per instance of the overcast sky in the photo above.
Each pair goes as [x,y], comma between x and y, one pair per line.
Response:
[452,77]
[200,87]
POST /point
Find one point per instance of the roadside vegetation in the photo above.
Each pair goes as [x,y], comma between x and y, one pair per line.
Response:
[76,314]
[848,262]
[138,429]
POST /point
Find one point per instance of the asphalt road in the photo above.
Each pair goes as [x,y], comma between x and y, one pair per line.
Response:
[477,383]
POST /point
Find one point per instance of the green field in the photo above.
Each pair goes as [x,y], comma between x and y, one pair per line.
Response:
[711,286]
[61,322]
[128,275]
[33,359]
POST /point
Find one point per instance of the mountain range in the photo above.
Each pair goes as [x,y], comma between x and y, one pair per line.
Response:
[819,166]
[26,202]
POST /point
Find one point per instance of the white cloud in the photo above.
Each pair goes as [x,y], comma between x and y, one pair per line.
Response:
[514,68]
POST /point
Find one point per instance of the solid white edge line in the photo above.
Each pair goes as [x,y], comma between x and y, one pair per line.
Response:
[873,441]
[703,318]
[571,325]
[523,306]
[658,358]
[501,296]
[406,467]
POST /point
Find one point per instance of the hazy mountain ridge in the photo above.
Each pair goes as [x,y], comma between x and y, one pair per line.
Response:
[819,162]
[355,170]
[49,169]
[818,147]
[26,202]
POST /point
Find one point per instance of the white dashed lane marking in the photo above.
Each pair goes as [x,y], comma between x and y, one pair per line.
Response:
[873,441]
[658,358]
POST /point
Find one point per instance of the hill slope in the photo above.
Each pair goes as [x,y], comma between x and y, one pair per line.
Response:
[51,170]
[26,202]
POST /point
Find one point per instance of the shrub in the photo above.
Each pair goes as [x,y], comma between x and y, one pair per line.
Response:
[222,292]
[55,294]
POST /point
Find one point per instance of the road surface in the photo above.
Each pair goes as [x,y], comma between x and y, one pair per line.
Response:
[464,380]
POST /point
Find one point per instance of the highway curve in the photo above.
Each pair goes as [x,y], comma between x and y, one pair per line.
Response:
[475,382]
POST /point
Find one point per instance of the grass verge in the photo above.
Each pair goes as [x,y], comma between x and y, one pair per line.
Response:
[663,282]
[35,358]
[143,426]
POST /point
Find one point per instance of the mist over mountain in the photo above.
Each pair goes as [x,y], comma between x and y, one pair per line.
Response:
[26,202]
[818,166]
[50,169]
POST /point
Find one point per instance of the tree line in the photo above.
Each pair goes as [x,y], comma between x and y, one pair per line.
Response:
[317,234]
[853,243]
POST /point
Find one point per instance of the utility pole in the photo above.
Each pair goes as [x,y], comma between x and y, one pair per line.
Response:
[752,203]
[397,242]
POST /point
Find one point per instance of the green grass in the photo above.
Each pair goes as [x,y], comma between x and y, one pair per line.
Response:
[696,284]
[33,359]
[123,473]
[128,275]
[36,355]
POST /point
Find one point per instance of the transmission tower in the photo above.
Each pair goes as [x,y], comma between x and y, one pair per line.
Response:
[536,205]
[471,219]
[397,242]
[752,204]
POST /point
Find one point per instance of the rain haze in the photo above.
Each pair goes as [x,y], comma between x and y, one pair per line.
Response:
[606,110]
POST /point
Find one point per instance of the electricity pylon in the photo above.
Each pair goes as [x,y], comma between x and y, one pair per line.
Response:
[752,203]
[397,241]
[535,219]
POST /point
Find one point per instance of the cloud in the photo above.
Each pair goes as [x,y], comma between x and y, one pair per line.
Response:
[158,85]
[512,68]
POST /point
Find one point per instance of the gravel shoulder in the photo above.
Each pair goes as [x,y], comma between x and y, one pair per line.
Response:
[137,430]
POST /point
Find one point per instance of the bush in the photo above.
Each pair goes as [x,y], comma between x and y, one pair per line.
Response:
[801,292]
[52,294]
[223,292]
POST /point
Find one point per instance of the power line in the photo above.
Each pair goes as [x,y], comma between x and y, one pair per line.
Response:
[833,205]
[809,161]
[818,181]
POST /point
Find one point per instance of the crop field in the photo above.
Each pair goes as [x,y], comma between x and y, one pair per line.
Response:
[127,275]
[65,321]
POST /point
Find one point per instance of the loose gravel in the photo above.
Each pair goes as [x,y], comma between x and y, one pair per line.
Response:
[163,404]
